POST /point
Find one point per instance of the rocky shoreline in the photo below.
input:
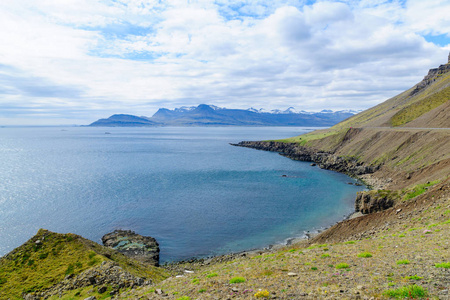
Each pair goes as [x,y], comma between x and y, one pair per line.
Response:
[325,160]
[365,201]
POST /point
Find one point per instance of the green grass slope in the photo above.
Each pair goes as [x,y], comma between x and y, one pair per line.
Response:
[48,257]
[398,110]
[420,107]
[403,135]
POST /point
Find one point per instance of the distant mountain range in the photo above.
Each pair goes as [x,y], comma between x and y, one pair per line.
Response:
[210,115]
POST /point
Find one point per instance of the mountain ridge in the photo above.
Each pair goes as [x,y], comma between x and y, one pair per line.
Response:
[210,115]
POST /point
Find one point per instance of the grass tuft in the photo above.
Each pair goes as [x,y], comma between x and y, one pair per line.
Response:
[445,265]
[402,262]
[365,254]
[410,291]
[342,266]
[414,277]
[237,279]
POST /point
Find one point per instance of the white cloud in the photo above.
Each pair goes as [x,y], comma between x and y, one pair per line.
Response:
[133,56]
[429,17]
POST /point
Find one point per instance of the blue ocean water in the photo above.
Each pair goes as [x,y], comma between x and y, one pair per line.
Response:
[187,187]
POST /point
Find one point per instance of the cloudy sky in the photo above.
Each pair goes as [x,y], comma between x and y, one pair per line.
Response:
[74,61]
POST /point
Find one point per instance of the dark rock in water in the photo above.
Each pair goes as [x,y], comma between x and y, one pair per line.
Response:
[313,165]
[142,248]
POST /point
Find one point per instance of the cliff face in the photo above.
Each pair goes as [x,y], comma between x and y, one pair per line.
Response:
[432,76]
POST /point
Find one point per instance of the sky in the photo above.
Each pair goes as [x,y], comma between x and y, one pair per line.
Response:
[75,61]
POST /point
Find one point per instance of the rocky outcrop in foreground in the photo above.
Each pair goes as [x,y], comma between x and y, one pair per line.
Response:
[107,274]
[142,248]
[324,160]
[373,201]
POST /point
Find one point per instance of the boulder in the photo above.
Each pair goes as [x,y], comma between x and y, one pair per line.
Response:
[142,248]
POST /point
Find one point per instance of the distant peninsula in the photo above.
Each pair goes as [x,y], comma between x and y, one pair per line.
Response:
[210,115]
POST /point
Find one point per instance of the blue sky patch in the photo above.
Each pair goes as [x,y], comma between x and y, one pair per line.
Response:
[121,30]
[440,40]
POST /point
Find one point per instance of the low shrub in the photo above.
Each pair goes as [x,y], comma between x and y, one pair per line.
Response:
[211,275]
[414,277]
[402,262]
[237,279]
[445,265]
[342,266]
[410,291]
[365,254]
[262,294]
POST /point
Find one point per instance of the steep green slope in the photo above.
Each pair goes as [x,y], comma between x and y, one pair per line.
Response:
[420,107]
[406,136]
[430,93]
[48,257]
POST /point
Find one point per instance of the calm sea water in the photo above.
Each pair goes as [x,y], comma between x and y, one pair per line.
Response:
[187,187]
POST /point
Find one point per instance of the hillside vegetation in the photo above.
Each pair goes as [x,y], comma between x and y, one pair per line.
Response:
[419,108]
[48,258]
[406,137]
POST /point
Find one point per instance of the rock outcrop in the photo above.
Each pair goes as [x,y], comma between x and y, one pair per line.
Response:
[373,201]
[432,75]
[108,274]
[142,248]
[324,160]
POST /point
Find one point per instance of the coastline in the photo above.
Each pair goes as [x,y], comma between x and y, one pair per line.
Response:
[214,259]
[291,151]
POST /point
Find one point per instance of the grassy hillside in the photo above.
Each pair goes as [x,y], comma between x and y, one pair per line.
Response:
[402,135]
[49,257]
[420,107]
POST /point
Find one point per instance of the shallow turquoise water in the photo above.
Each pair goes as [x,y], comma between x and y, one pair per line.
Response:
[187,187]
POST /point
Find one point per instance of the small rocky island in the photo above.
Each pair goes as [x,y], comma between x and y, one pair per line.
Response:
[142,248]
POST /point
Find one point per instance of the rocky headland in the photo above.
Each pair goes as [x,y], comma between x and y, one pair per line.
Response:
[131,244]
[323,159]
